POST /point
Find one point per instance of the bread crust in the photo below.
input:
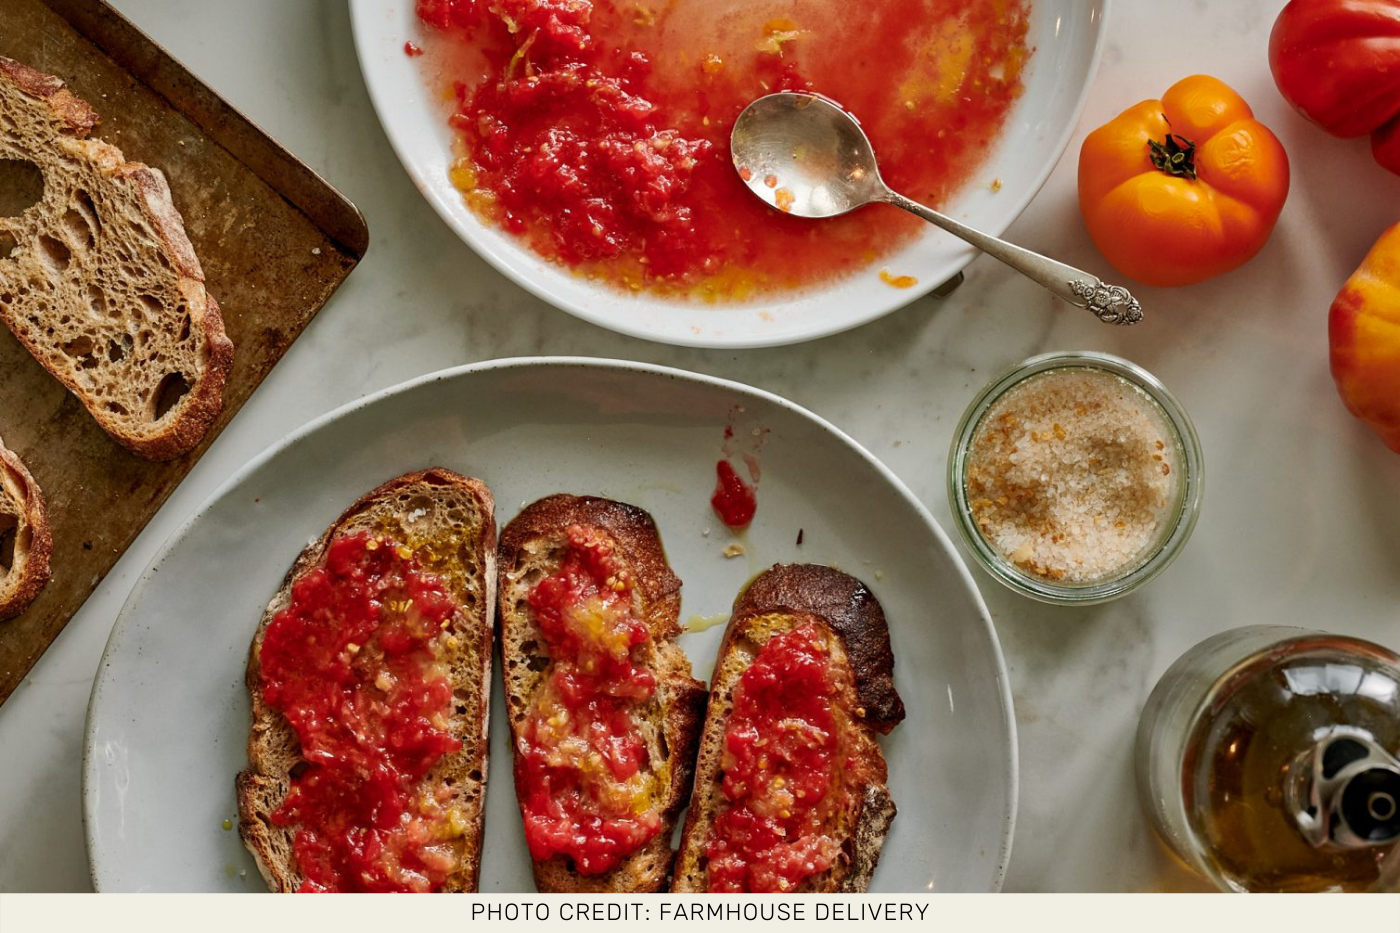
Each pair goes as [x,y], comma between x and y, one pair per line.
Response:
[272,745]
[846,606]
[71,113]
[23,502]
[780,599]
[70,121]
[531,546]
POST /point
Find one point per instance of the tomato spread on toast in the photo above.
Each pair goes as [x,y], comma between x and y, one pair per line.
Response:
[782,762]
[354,665]
[582,772]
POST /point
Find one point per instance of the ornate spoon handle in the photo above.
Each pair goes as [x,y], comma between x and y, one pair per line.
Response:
[1112,304]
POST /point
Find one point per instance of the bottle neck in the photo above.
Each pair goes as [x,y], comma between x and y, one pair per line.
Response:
[1344,792]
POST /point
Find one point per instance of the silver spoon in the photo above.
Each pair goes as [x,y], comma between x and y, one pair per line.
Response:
[806,156]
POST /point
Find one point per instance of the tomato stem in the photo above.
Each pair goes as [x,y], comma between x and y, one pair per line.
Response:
[1175,156]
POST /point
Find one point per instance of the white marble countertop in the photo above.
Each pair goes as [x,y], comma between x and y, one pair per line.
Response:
[1301,521]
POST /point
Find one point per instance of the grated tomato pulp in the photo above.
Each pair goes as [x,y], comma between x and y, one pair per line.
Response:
[599,130]
[354,665]
[586,782]
[784,795]
[733,500]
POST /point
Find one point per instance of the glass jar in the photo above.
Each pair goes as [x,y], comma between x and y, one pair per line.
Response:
[1268,759]
[1177,517]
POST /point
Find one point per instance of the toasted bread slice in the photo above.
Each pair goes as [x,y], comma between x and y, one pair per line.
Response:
[25,542]
[533,547]
[780,600]
[449,522]
[99,281]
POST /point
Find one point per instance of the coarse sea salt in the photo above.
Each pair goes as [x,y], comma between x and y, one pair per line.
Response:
[1070,474]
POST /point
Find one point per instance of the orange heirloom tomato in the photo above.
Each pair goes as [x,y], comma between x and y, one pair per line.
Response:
[1178,190]
[1364,329]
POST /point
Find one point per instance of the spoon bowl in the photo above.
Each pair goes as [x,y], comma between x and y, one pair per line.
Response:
[805,155]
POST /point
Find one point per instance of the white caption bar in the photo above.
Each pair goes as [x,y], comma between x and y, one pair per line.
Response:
[1038,913]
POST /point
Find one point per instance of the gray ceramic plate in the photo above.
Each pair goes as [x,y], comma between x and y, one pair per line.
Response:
[169,716]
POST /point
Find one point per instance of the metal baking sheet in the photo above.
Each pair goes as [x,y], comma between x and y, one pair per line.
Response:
[275,241]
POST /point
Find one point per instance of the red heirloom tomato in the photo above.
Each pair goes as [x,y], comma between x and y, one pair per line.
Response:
[1338,63]
[1385,146]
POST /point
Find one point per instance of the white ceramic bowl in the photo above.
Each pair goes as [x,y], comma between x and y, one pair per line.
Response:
[168,721]
[1065,34]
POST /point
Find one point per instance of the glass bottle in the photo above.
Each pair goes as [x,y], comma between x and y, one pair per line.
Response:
[1268,759]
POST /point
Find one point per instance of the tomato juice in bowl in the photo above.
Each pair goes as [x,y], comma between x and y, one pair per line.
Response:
[771,279]
[597,130]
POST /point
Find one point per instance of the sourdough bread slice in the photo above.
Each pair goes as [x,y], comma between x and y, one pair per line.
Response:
[780,600]
[533,546]
[99,281]
[449,522]
[25,542]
